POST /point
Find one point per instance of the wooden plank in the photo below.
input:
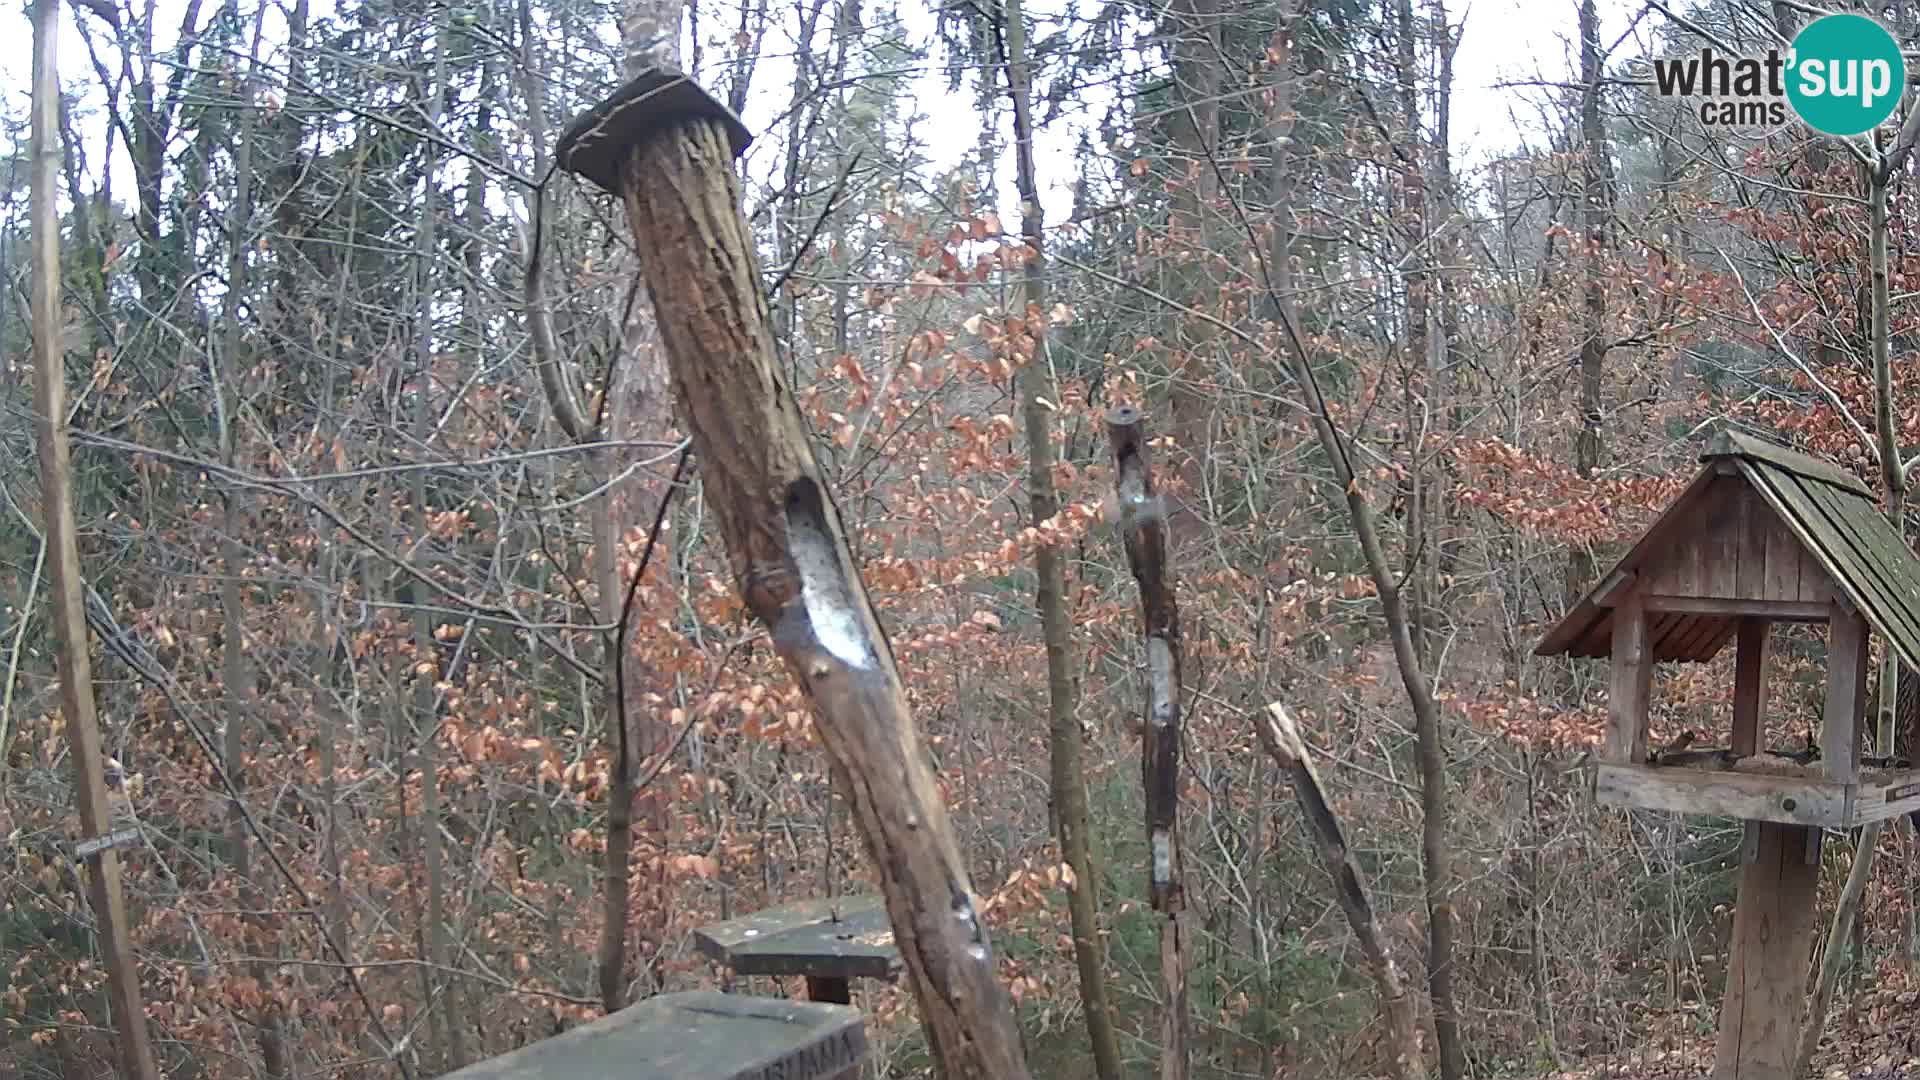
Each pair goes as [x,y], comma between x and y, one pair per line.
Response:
[1723,793]
[1776,610]
[1632,680]
[1889,798]
[697,1034]
[1750,571]
[1720,541]
[844,938]
[1773,927]
[1784,556]
[1846,695]
[1661,535]
[1793,461]
[1892,561]
[1750,685]
[1663,626]
[1706,628]
[1811,525]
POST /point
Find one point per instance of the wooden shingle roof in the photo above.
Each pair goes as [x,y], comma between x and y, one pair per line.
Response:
[1831,516]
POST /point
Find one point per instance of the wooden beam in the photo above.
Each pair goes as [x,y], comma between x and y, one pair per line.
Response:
[1846,695]
[1632,674]
[1723,793]
[1750,686]
[1773,926]
[1776,610]
[1614,588]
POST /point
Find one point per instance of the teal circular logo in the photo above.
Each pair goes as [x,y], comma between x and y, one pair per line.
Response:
[1847,74]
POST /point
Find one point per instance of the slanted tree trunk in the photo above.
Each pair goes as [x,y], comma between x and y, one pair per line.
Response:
[795,570]
[1068,776]
[1142,523]
[66,582]
[1281,737]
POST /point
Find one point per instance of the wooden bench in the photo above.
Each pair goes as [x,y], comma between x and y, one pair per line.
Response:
[701,1035]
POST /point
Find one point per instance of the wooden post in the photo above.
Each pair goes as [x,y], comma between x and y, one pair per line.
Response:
[1846,694]
[65,578]
[668,149]
[1750,685]
[1632,674]
[1142,523]
[1773,926]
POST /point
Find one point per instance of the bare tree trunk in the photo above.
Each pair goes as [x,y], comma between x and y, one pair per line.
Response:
[1436,866]
[228,380]
[1595,186]
[66,581]
[1281,736]
[1141,520]
[425,736]
[795,571]
[1893,479]
[1068,779]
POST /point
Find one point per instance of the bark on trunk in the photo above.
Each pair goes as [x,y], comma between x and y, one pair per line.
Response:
[1142,523]
[795,570]
[63,557]
[1068,776]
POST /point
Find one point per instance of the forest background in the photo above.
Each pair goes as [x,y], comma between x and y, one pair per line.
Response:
[371,439]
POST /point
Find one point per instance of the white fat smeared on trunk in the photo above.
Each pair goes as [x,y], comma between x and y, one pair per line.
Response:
[832,615]
[1160,674]
[1162,842]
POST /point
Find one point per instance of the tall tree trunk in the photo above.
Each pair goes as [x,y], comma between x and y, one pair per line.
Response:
[1596,185]
[1436,864]
[236,680]
[66,581]
[1068,779]
[450,1024]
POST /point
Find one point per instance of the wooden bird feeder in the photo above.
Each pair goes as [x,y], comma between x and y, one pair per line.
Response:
[700,1035]
[1762,535]
[830,942]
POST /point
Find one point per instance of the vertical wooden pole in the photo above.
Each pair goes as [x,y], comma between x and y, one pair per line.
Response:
[1773,928]
[1750,685]
[63,555]
[1846,694]
[1142,523]
[1632,672]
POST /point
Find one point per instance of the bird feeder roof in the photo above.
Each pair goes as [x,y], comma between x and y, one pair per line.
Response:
[1820,516]
[598,141]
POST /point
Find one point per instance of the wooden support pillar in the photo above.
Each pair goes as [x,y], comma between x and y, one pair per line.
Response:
[1632,671]
[1846,694]
[1750,685]
[1773,927]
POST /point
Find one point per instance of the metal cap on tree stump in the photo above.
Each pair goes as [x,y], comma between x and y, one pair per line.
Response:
[598,141]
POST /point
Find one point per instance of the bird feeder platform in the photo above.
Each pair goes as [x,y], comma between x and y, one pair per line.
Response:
[700,1035]
[1762,535]
[829,942]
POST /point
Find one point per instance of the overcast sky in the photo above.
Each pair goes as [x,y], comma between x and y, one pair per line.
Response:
[1506,41]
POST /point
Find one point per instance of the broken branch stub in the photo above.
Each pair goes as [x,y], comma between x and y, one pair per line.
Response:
[1281,736]
[789,552]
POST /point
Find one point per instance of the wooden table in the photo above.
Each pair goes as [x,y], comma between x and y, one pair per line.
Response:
[829,942]
[702,1035]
